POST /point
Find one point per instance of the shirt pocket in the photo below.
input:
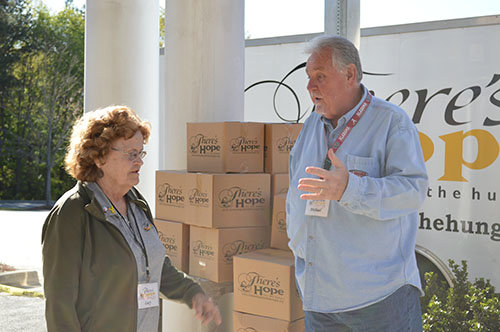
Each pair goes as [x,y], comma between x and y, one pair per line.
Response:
[363,166]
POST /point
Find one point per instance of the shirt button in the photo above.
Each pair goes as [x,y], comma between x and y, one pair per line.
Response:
[310,237]
[310,263]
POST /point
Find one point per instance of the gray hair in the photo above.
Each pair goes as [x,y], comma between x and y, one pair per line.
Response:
[343,52]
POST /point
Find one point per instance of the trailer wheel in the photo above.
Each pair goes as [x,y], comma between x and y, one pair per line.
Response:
[427,261]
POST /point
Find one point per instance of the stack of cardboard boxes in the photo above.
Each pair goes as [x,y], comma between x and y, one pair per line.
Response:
[280,138]
[220,210]
[265,295]
[170,209]
[220,206]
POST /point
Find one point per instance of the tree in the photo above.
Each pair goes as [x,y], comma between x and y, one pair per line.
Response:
[15,29]
[60,83]
[43,103]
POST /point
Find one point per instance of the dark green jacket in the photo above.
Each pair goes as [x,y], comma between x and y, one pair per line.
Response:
[90,273]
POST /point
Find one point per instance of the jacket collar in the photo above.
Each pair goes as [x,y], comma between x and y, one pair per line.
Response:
[95,209]
[135,197]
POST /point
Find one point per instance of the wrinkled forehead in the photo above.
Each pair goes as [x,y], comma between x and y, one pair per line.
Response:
[319,61]
[135,142]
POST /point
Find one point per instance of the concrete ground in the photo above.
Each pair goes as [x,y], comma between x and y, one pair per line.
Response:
[21,314]
[20,234]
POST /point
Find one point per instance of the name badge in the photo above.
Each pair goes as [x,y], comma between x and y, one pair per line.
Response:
[317,208]
[147,295]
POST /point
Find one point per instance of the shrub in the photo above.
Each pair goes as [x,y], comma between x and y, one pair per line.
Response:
[464,307]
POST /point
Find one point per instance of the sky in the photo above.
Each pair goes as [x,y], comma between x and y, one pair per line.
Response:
[270,18]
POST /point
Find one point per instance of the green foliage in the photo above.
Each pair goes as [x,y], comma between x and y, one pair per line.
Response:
[466,306]
[14,38]
[162,27]
[41,81]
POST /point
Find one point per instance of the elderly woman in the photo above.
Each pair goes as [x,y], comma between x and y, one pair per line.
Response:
[103,262]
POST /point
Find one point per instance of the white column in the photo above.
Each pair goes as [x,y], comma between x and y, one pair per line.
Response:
[204,81]
[122,67]
[342,18]
[204,69]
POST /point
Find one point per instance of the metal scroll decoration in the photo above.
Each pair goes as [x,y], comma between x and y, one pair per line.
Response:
[281,83]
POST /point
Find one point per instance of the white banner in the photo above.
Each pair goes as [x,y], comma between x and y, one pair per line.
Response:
[448,81]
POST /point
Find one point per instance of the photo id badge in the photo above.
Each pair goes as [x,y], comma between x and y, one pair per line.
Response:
[147,295]
[317,208]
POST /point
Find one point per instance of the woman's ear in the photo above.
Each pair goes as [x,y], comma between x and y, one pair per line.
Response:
[98,162]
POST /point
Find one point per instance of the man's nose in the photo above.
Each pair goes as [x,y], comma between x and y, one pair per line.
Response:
[310,85]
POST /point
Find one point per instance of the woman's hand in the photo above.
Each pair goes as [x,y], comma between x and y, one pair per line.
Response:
[206,310]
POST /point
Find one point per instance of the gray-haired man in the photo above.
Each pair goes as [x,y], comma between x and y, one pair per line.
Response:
[357,179]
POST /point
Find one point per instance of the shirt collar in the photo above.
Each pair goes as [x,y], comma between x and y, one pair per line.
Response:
[107,207]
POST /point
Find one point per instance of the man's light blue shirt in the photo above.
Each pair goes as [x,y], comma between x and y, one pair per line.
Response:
[365,249]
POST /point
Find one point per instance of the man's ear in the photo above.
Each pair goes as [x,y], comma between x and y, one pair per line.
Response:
[351,73]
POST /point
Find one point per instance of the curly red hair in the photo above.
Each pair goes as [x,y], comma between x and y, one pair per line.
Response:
[94,133]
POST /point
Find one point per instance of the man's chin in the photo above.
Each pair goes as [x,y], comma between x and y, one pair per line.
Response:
[321,111]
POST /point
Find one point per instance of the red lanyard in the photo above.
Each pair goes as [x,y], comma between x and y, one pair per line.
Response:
[327,164]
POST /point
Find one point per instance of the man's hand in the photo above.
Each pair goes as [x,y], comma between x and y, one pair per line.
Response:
[206,310]
[331,184]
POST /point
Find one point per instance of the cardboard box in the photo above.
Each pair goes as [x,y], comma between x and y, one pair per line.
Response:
[175,238]
[244,322]
[279,237]
[170,195]
[264,285]
[221,147]
[228,200]
[212,250]
[279,140]
[279,183]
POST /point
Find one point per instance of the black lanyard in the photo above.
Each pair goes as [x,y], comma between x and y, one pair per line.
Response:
[141,243]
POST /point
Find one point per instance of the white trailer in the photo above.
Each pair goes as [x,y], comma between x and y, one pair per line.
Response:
[446,76]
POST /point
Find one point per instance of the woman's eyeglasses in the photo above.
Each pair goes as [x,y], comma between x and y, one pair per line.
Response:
[132,155]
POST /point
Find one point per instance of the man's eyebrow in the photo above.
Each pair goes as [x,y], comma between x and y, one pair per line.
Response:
[316,68]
